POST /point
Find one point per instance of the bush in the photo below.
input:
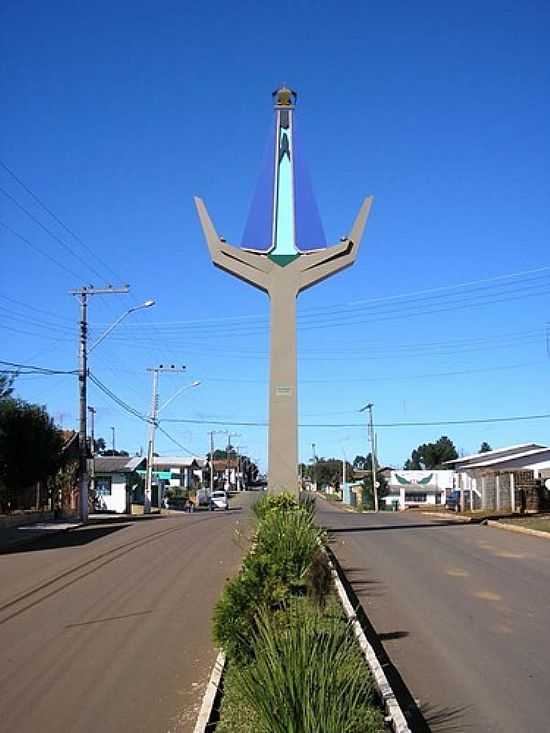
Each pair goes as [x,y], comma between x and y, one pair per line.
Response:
[307,676]
[283,503]
[286,561]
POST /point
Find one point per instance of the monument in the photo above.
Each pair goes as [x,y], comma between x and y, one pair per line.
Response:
[283,266]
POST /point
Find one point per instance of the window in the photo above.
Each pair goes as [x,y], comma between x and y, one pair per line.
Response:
[415,498]
[103,485]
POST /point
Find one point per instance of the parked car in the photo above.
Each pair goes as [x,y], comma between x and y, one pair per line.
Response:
[453,501]
[219,500]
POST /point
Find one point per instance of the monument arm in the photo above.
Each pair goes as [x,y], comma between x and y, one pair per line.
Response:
[320,265]
[248,266]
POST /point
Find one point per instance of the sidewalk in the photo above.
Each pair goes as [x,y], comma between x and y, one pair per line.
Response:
[11,537]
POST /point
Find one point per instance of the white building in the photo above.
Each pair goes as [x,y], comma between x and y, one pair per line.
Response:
[418,488]
[112,481]
[502,479]
[179,471]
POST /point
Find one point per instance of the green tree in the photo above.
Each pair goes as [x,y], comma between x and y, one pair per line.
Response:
[360,462]
[432,455]
[100,445]
[484,447]
[30,447]
[328,472]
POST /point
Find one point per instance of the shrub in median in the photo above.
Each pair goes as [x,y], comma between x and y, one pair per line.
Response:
[285,561]
[294,665]
[308,675]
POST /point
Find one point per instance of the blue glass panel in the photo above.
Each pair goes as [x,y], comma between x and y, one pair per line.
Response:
[257,232]
[309,227]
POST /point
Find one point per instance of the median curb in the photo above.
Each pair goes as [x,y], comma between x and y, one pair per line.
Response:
[394,714]
[205,721]
[520,530]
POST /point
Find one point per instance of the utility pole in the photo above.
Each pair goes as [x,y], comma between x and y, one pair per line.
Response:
[83,294]
[228,458]
[372,453]
[153,423]
[211,434]
[113,438]
[92,412]
[314,466]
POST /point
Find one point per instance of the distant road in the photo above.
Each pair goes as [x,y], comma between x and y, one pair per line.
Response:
[106,629]
[463,612]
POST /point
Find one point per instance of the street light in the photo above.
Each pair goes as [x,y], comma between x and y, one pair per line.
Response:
[369,407]
[147,304]
[153,423]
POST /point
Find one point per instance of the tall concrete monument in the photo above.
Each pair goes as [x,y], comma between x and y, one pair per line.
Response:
[285,261]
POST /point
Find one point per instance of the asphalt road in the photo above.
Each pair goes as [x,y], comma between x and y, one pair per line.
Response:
[462,611]
[107,627]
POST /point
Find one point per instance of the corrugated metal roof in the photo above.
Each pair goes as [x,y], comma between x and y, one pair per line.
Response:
[508,451]
[176,461]
[534,453]
[118,464]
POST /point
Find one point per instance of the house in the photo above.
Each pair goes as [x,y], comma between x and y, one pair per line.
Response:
[178,472]
[507,478]
[418,488]
[112,481]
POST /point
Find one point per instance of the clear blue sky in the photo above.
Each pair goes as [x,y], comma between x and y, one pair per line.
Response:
[116,114]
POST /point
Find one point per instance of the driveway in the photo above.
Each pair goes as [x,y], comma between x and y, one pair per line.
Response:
[463,612]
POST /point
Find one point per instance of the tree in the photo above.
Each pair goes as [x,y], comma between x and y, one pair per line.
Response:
[100,445]
[360,462]
[484,447]
[30,447]
[328,472]
[432,455]
[368,494]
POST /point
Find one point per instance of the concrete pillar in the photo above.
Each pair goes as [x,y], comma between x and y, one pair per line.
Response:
[402,497]
[513,492]
[483,494]
[497,480]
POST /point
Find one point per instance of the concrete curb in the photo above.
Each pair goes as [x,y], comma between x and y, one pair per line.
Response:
[448,517]
[204,718]
[394,715]
[520,530]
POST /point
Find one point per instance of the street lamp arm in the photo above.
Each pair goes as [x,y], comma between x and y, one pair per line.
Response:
[177,394]
[147,304]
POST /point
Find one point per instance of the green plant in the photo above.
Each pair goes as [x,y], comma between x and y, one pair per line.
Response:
[286,561]
[308,675]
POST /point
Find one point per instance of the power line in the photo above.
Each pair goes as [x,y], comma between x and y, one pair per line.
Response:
[53,235]
[72,273]
[119,401]
[419,423]
[37,310]
[171,437]
[36,369]
[370,305]
[39,201]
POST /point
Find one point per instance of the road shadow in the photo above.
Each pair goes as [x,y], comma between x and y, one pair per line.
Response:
[432,720]
[386,527]
[391,635]
[109,618]
[61,540]
[360,582]
[446,720]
